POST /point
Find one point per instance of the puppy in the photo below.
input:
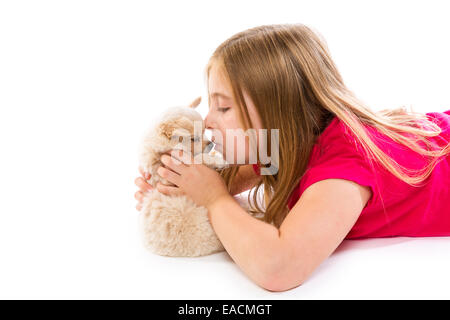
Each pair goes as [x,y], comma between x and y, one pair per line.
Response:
[175,225]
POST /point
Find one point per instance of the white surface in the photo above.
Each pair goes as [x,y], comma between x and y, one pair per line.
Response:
[79,83]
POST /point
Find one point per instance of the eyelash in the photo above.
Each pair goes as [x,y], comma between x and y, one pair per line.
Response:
[222,109]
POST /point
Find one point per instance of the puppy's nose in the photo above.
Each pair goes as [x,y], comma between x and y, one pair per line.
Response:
[208,147]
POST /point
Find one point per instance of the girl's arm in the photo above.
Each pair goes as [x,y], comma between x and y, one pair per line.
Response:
[281,259]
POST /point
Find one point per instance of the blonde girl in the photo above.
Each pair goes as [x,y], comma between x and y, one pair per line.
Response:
[344,171]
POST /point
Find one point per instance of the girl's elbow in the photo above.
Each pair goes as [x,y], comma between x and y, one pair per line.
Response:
[276,283]
[283,279]
[281,273]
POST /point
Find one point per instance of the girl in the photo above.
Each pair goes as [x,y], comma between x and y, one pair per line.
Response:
[344,171]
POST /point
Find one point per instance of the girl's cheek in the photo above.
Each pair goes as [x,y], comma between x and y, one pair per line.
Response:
[234,120]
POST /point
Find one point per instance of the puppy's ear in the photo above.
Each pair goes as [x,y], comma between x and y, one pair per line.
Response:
[195,103]
[178,127]
[165,129]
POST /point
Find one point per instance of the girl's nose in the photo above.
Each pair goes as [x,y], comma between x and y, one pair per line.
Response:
[208,122]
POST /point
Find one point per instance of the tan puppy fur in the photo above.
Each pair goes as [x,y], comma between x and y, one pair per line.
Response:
[175,225]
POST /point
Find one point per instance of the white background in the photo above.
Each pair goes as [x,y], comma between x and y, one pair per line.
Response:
[81,80]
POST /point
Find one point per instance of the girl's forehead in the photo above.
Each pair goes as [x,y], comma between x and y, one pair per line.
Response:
[217,81]
[221,95]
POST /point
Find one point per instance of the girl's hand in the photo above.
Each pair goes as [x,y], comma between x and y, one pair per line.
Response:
[143,186]
[200,183]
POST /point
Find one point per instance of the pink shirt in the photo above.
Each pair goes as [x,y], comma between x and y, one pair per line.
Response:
[395,208]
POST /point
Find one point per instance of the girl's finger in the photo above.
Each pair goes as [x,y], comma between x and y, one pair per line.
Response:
[172,163]
[146,175]
[139,196]
[138,207]
[170,191]
[169,175]
[142,184]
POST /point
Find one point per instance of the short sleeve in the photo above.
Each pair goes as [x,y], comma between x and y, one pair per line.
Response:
[340,168]
[337,156]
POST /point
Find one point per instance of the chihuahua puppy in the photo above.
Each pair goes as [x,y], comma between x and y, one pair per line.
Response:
[175,225]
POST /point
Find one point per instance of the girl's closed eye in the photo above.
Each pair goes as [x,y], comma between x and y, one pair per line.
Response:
[223,109]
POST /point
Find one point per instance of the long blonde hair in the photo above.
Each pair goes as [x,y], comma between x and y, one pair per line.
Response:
[287,71]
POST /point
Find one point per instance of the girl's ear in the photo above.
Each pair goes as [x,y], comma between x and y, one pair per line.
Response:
[195,103]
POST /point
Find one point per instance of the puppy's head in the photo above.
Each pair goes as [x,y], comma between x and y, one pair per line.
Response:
[183,128]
